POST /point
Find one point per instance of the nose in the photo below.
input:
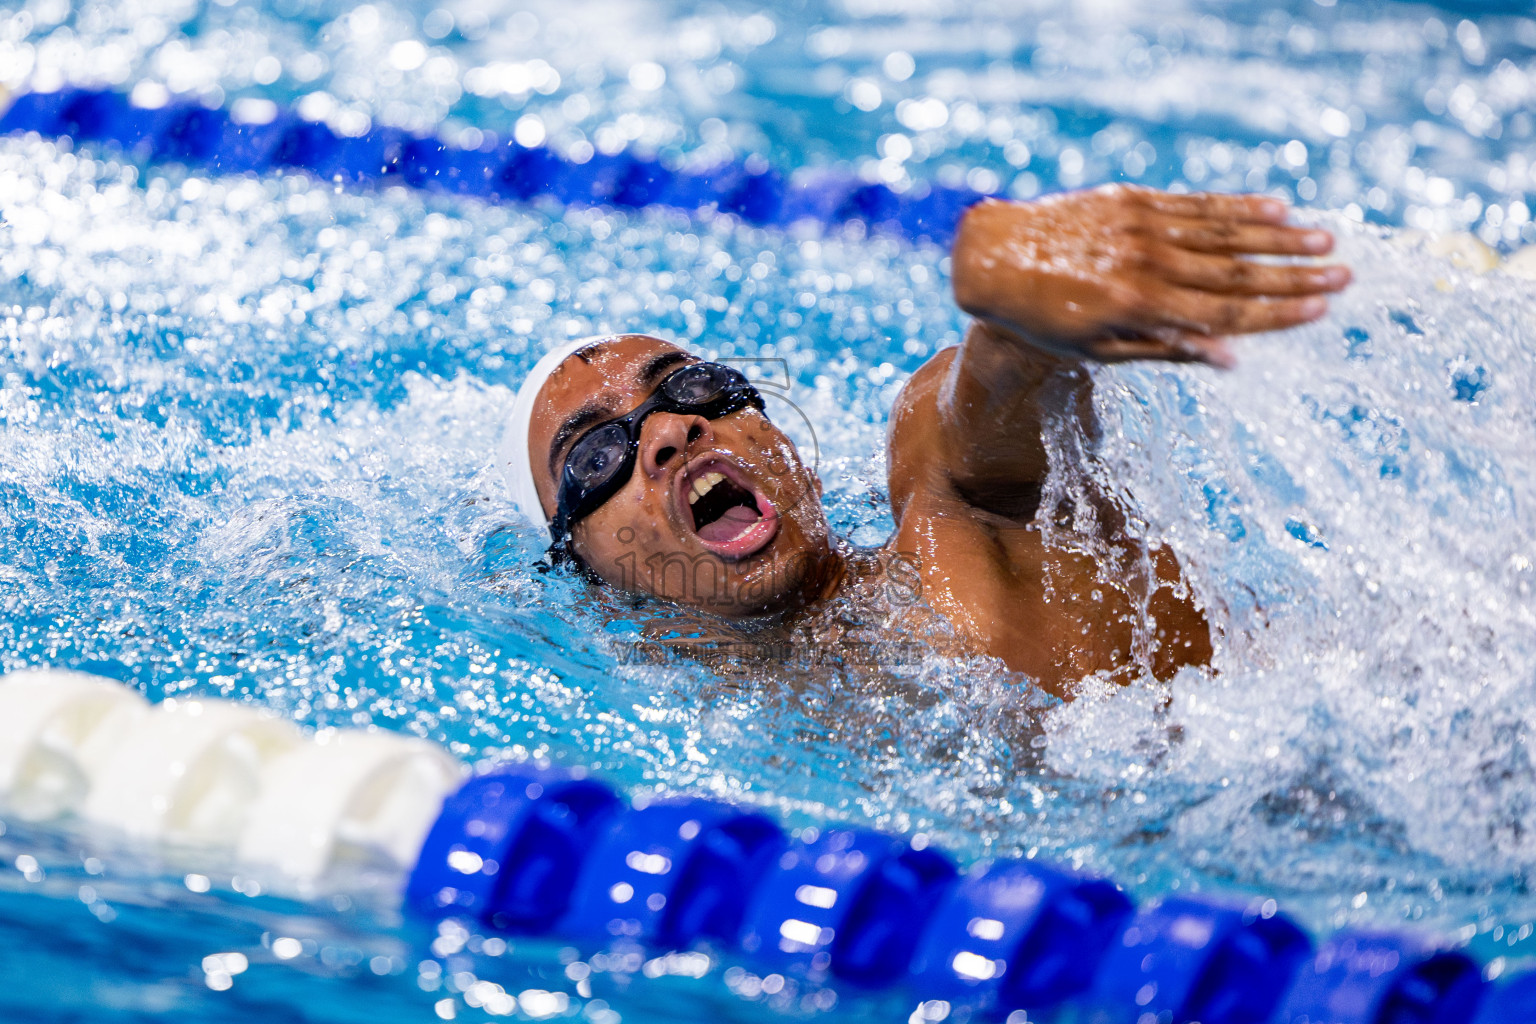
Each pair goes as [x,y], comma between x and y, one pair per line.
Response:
[666,437]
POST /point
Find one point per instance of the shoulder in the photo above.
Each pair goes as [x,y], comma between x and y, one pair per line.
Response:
[936,526]
[914,436]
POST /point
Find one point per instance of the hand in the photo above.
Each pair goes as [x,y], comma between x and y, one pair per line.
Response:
[1124,272]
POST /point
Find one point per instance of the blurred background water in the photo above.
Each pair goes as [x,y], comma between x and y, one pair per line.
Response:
[246,430]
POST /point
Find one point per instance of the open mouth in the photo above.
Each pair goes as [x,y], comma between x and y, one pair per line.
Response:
[730,516]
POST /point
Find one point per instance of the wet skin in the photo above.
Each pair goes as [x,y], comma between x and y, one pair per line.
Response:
[1106,275]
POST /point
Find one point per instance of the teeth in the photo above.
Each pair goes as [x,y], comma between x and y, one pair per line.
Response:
[703,485]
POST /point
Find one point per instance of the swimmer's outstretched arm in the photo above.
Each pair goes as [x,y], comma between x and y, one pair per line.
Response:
[1107,275]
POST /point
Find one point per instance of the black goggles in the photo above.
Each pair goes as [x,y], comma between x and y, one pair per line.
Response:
[603,459]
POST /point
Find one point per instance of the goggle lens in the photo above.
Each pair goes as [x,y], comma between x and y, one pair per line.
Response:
[700,384]
[597,456]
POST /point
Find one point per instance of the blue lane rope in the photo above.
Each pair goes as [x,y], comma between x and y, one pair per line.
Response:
[531,849]
[536,850]
[187,132]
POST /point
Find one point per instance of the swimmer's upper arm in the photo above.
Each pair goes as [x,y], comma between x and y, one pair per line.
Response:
[967,427]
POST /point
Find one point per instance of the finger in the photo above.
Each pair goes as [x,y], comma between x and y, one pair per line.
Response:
[1188,349]
[1214,351]
[1204,313]
[1246,209]
[1236,276]
[1232,238]
[1117,350]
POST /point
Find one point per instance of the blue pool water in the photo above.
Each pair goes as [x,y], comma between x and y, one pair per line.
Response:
[247,423]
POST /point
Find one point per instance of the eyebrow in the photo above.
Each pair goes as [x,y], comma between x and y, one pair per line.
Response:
[574,424]
[652,371]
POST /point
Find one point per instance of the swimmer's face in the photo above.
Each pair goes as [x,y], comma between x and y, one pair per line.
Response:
[718,514]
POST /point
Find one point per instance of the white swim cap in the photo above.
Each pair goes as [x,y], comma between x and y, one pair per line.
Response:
[513,458]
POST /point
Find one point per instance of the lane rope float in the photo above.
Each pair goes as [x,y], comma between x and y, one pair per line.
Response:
[261,137]
[530,848]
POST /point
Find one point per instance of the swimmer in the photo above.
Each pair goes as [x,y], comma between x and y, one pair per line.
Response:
[657,472]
